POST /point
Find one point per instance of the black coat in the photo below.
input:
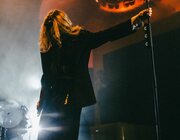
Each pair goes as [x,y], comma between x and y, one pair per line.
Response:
[68,66]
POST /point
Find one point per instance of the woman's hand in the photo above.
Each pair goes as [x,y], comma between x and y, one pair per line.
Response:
[139,19]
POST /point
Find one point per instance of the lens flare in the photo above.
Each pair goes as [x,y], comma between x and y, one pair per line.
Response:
[34,119]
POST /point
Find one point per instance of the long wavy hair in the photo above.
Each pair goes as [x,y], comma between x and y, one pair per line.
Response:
[55,23]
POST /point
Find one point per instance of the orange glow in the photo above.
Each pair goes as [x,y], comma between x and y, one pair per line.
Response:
[165,8]
[122,7]
[175,4]
[178,8]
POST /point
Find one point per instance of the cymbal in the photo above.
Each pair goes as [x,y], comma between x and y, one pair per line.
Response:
[11,114]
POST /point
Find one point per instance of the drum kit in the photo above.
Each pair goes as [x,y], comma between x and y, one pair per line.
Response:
[12,114]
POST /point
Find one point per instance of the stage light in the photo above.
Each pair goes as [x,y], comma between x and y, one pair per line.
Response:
[34,129]
[35,123]
[38,128]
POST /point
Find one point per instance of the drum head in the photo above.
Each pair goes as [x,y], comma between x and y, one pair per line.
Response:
[11,114]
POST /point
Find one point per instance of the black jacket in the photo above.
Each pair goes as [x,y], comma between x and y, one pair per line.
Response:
[68,66]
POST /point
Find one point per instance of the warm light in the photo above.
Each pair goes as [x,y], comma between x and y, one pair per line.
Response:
[122,6]
[173,4]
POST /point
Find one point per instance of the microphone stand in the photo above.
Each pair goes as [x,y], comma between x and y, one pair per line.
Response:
[149,43]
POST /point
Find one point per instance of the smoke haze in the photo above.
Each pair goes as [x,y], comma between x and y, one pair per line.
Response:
[19,28]
[19,56]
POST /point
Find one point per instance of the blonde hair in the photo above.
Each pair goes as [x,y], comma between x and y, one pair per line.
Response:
[53,25]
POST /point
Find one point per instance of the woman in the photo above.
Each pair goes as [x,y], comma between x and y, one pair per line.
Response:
[66,84]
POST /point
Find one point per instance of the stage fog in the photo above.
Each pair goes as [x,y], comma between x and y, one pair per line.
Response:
[20,62]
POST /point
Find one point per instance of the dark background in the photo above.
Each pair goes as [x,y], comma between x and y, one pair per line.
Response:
[128,91]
